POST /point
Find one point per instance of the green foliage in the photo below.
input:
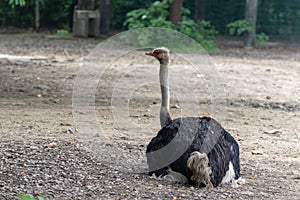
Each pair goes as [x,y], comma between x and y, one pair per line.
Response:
[274,17]
[261,38]
[26,197]
[279,17]
[119,8]
[202,32]
[14,3]
[239,27]
[62,33]
[221,13]
[29,197]
[156,16]
[53,13]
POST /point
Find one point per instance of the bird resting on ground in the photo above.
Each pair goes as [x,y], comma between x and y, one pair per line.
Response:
[205,153]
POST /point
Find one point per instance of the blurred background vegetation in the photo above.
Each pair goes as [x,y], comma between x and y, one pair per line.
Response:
[200,19]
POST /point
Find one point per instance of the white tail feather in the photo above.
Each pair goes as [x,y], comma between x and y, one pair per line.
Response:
[229,177]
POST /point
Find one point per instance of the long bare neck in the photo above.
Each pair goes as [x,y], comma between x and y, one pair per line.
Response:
[165,94]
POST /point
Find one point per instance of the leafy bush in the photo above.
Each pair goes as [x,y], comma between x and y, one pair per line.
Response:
[202,32]
[14,3]
[62,33]
[156,16]
[260,38]
[119,9]
[29,197]
[239,27]
[53,13]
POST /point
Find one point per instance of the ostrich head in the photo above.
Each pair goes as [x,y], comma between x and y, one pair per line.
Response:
[161,54]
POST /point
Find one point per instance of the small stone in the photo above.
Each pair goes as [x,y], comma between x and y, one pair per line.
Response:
[272,132]
[175,106]
[65,124]
[256,152]
[43,87]
[70,142]
[52,145]
[297,177]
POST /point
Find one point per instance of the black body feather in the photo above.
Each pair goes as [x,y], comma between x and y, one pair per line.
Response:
[199,134]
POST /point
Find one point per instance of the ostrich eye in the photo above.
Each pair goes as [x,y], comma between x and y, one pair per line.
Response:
[156,52]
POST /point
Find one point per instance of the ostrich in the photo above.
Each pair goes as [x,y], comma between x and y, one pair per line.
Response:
[198,150]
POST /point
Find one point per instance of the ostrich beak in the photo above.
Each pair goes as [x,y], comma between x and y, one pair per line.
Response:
[150,53]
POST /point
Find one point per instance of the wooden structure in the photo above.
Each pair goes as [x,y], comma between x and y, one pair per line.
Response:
[86,23]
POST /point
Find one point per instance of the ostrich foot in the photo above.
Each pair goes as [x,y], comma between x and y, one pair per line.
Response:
[175,177]
[171,177]
[238,182]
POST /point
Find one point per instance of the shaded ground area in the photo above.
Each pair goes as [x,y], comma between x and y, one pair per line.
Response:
[42,153]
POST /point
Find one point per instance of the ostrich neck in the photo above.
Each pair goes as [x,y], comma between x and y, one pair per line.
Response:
[165,94]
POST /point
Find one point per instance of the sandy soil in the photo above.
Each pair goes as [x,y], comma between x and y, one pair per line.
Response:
[262,91]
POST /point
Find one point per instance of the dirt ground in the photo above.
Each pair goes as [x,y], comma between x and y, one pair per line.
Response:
[42,152]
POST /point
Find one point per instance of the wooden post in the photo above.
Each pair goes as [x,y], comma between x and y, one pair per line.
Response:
[175,11]
[91,5]
[251,14]
[80,5]
[104,17]
[37,15]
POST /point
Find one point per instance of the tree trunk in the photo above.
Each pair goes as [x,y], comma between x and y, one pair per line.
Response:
[175,11]
[3,20]
[199,10]
[91,5]
[251,13]
[104,16]
[80,5]
[37,15]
